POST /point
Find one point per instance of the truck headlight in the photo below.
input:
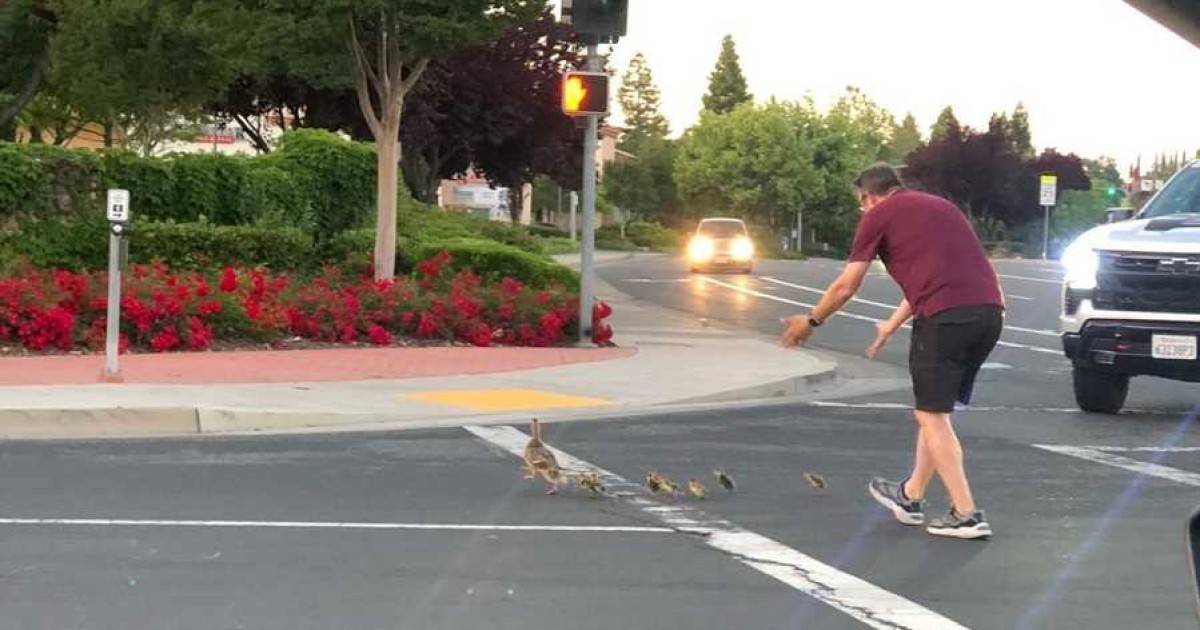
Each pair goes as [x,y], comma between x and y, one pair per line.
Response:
[1080,262]
[743,248]
[701,249]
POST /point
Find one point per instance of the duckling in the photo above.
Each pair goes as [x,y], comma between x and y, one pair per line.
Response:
[653,482]
[697,489]
[725,480]
[590,481]
[540,460]
[668,485]
[815,480]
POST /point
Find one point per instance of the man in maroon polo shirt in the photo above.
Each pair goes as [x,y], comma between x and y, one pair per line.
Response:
[952,294]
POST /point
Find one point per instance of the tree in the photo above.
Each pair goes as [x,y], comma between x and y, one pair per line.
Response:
[644,187]
[378,48]
[137,64]
[1022,138]
[726,85]
[523,134]
[905,139]
[641,102]
[26,27]
[946,124]
[753,162]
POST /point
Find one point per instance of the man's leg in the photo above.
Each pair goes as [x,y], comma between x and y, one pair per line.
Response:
[923,468]
[945,451]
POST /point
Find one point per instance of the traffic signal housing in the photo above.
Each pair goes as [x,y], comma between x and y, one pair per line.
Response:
[585,93]
[597,21]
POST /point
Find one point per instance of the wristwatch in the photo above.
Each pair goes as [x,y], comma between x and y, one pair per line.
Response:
[814,322]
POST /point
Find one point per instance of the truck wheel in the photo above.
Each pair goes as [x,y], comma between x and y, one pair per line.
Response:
[1100,392]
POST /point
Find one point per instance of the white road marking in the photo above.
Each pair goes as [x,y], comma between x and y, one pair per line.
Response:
[1145,449]
[874,320]
[1143,468]
[892,307]
[1043,280]
[124,522]
[657,280]
[850,595]
[1014,296]
[994,365]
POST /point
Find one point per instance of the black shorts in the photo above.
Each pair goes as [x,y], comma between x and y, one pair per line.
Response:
[947,351]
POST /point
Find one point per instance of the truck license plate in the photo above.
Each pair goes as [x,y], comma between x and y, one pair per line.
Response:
[1173,347]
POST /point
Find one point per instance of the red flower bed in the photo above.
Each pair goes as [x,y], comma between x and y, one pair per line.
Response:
[164,311]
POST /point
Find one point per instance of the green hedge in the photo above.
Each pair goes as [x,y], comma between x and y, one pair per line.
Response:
[652,235]
[494,260]
[83,245]
[316,181]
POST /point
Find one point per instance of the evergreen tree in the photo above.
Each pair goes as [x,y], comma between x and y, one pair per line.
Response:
[726,85]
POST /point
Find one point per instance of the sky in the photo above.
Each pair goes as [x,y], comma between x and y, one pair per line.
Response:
[1097,76]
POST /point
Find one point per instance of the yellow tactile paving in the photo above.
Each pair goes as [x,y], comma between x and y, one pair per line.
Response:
[505,399]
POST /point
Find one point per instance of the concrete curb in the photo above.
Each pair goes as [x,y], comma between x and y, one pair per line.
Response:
[120,422]
[155,422]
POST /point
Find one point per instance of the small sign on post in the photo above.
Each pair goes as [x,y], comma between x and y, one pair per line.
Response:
[1049,190]
[1049,196]
[118,216]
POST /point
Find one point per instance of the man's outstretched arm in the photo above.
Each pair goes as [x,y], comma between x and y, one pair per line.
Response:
[839,292]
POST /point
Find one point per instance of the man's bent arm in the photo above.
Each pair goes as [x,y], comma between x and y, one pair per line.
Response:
[841,290]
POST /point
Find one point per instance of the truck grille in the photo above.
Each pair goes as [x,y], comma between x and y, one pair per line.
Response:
[1164,283]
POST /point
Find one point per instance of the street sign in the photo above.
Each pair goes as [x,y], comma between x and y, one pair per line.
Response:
[118,205]
[1049,194]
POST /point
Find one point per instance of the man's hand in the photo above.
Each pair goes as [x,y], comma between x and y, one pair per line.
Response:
[882,334]
[797,332]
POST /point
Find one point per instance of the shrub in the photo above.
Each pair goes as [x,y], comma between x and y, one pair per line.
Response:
[548,231]
[493,261]
[24,186]
[83,245]
[203,246]
[208,186]
[652,235]
[337,176]
[271,196]
[151,184]
[163,310]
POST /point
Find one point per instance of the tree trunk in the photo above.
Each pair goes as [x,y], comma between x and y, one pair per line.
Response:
[30,89]
[516,203]
[387,150]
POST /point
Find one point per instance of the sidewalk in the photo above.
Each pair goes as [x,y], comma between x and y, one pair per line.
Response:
[663,358]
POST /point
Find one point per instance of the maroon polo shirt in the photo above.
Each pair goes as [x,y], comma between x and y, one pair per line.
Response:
[930,250]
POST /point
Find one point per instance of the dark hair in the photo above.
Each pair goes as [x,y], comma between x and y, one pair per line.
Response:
[878,179]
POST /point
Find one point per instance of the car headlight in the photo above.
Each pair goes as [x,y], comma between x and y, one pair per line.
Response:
[1080,262]
[743,248]
[700,249]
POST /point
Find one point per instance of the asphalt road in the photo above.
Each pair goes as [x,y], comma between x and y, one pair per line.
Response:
[436,530]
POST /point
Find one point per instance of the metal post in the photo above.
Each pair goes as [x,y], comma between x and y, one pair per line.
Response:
[574,199]
[112,370]
[800,231]
[586,266]
[1046,234]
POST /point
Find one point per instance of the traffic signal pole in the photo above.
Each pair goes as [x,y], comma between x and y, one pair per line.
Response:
[587,285]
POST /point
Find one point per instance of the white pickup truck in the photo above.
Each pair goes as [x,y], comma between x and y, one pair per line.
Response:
[1131,297]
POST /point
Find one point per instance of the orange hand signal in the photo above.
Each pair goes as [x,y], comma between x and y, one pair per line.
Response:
[574,91]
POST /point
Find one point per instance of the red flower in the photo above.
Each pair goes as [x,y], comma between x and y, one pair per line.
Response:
[433,267]
[543,297]
[200,335]
[428,326]
[211,307]
[229,280]
[379,335]
[253,308]
[166,340]
[505,312]
[511,287]
[406,318]
[483,336]
[349,333]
